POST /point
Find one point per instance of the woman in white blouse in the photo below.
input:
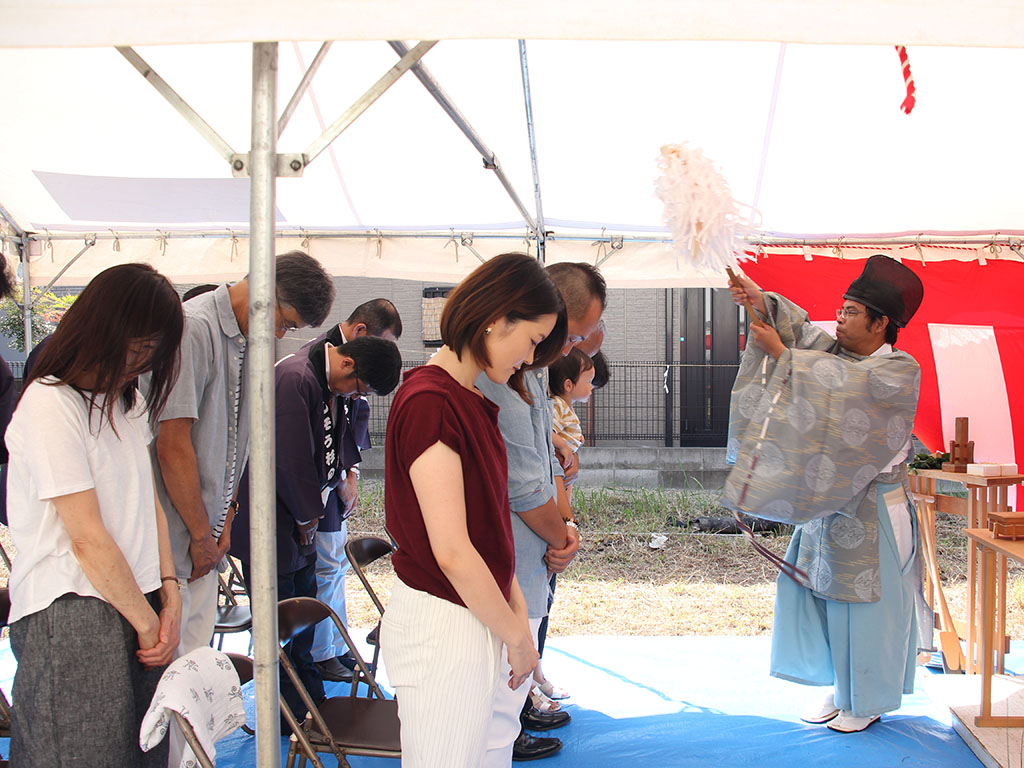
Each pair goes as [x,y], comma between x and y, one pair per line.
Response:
[95,608]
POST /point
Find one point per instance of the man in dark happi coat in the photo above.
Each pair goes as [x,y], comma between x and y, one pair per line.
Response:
[377,317]
[310,425]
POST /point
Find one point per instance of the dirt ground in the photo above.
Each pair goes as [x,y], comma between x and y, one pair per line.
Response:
[695,584]
[691,584]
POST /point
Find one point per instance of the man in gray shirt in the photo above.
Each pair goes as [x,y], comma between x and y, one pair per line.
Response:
[202,441]
[543,538]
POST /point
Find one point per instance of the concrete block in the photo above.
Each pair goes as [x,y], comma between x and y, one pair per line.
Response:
[684,480]
[598,458]
[639,457]
[373,459]
[715,478]
[682,459]
[595,478]
[640,478]
[714,458]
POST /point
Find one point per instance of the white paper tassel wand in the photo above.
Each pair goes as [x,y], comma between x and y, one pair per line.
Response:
[700,212]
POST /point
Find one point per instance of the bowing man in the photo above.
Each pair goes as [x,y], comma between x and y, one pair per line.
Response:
[310,425]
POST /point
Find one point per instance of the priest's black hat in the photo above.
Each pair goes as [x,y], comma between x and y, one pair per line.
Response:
[888,287]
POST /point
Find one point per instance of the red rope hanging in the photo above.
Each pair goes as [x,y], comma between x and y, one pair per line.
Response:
[908,103]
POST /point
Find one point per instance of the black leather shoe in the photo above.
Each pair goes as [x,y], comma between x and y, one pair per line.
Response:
[529,747]
[331,669]
[347,660]
[535,720]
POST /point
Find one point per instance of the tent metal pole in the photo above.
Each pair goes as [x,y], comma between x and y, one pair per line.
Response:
[541,234]
[303,86]
[670,322]
[26,300]
[204,128]
[262,487]
[442,98]
[768,131]
[26,296]
[363,103]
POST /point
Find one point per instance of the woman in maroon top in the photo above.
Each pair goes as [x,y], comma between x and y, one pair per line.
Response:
[456,600]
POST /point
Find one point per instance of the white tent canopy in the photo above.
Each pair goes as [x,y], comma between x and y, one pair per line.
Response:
[92,148]
[50,23]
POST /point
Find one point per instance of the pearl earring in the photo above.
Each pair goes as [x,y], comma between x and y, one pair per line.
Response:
[487,331]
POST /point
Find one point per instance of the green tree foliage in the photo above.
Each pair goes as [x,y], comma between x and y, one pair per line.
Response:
[47,310]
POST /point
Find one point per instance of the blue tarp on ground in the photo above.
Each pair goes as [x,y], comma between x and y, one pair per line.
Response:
[685,701]
[700,701]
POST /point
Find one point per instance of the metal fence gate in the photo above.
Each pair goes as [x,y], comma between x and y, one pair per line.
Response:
[672,402]
[710,341]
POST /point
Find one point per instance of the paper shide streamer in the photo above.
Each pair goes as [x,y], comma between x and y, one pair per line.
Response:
[699,209]
[706,226]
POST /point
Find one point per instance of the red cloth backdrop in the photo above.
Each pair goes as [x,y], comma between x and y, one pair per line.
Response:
[955,293]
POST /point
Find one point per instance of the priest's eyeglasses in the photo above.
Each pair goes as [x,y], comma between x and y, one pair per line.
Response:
[843,313]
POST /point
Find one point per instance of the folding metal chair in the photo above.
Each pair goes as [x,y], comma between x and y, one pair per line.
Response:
[360,553]
[235,581]
[6,559]
[340,725]
[244,668]
[5,707]
[232,616]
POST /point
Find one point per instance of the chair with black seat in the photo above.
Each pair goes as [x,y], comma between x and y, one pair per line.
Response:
[361,553]
[340,725]
[232,616]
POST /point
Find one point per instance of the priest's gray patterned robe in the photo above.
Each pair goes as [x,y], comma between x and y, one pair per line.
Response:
[810,435]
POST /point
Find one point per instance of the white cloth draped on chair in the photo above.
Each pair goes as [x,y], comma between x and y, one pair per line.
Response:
[202,686]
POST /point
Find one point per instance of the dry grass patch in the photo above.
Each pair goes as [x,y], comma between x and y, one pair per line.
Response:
[696,584]
[693,584]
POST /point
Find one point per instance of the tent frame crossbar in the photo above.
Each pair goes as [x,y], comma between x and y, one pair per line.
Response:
[1013,241]
[302,87]
[19,232]
[490,159]
[89,243]
[289,164]
[375,91]
[214,139]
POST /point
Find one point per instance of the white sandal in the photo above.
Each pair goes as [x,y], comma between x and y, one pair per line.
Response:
[821,712]
[542,702]
[845,722]
[552,691]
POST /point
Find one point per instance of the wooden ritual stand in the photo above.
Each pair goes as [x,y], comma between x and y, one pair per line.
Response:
[1006,525]
[985,495]
[961,450]
[992,549]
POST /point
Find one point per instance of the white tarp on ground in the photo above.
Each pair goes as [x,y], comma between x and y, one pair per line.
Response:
[88,146]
